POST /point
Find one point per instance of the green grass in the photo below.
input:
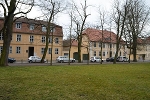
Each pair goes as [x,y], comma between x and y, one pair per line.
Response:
[80,82]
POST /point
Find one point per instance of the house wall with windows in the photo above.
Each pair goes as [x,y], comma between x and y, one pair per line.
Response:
[29,38]
[91,43]
[92,38]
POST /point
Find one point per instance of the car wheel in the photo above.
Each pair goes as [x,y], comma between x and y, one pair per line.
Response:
[73,61]
[30,61]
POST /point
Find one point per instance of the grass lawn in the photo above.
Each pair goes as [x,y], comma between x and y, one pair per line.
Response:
[77,82]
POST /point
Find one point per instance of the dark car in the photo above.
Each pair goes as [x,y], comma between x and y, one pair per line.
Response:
[111,59]
[11,60]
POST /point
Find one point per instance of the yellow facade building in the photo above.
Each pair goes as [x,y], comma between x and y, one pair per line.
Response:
[29,38]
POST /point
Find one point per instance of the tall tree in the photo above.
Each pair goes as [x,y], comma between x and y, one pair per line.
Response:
[79,19]
[50,9]
[138,17]
[102,22]
[11,8]
[119,17]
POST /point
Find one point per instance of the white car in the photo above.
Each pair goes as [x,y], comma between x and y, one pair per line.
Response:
[34,59]
[122,59]
[62,59]
[95,59]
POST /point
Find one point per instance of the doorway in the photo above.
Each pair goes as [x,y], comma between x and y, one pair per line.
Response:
[31,51]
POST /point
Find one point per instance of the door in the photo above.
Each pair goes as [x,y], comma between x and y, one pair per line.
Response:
[75,55]
[31,51]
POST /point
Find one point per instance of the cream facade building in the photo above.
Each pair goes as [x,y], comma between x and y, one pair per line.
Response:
[29,38]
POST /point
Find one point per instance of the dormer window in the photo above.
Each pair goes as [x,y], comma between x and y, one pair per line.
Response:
[43,28]
[31,26]
[18,25]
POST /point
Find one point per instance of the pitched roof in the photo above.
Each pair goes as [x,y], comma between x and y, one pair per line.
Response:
[38,26]
[74,42]
[95,35]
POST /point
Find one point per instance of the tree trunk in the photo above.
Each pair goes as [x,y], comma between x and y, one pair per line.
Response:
[79,49]
[134,47]
[46,48]
[7,36]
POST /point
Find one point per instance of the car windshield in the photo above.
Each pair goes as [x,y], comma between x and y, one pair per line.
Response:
[97,57]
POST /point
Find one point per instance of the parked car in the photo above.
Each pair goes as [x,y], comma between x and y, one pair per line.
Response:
[34,59]
[122,59]
[95,59]
[62,59]
[111,59]
[11,60]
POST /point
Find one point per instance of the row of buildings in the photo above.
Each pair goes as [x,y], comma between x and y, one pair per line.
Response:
[29,39]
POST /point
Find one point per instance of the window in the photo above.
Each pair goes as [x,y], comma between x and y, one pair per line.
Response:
[1,36]
[42,50]
[18,25]
[103,53]
[110,45]
[103,45]
[94,53]
[43,28]
[56,40]
[52,29]
[56,50]
[99,53]
[66,54]
[94,44]
[43,39]
[50,39]
[1,48]
[31,26]
[49,50]
[31,38]
[18,50]
[18,37]
[99,44]
[10,49]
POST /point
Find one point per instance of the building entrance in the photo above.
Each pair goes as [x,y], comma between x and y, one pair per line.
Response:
[31,51]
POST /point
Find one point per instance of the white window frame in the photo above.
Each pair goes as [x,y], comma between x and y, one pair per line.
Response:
[99,44]
[94,44]
[31,38]
[94,53]
[10,49]
[42,50]
[18,50]
[1,36]
[31,26]
[18,37]
[57,40]
[104,54]
[56,51]
[18,25]
[49,50]
[44,28]
[99,53]
[103,45]
[50,39]
[43,39]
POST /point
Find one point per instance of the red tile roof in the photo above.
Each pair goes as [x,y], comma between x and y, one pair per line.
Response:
[66,43]
[95,35]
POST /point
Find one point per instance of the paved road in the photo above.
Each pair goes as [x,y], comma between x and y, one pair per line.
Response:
[55,63]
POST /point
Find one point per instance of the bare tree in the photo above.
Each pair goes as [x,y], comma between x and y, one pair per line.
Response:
[119,17]
[79,19]
[11,8]
[138,17]
[102,22]
[50,9]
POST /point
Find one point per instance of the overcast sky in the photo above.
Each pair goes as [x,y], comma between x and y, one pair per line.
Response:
[62,19]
